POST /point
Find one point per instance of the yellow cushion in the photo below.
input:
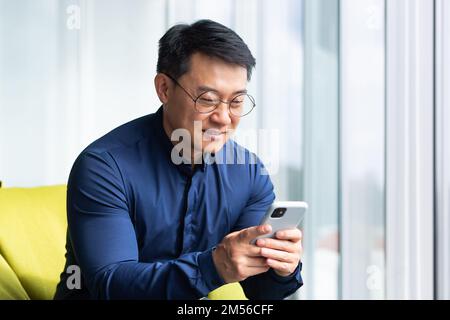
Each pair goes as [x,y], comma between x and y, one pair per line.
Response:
[10,287]
[32,237]
[33,227]
[231,291]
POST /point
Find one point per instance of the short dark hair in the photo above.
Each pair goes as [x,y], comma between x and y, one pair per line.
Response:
[207,37]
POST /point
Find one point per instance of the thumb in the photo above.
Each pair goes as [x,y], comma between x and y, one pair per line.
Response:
[249,234]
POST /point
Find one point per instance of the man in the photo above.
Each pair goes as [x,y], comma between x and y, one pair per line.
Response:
[144,225]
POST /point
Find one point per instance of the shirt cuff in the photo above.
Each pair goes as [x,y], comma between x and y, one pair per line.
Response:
[208,270]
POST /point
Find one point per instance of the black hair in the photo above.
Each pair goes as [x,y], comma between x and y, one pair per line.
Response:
[207,37]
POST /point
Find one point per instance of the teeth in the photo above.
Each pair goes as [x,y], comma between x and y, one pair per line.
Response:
[213,132]
[212,135]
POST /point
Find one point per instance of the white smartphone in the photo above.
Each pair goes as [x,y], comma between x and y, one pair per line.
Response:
[283,215]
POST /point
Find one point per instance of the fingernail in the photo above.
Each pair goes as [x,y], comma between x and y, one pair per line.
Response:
[261,242]
[281,234]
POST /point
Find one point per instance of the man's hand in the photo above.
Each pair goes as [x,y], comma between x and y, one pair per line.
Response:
[236,259]
[283,253]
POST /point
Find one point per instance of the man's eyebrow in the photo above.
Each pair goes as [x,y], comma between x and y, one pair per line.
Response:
[206,88]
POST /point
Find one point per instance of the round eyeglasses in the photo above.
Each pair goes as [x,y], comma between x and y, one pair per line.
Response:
[208,101]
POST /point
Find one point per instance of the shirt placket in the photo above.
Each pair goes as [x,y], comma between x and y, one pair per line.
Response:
[191,205]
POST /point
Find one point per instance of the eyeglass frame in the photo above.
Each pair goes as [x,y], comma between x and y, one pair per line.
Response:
[216,106]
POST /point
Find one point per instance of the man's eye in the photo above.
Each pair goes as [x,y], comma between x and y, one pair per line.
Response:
[236,104]
[208,100]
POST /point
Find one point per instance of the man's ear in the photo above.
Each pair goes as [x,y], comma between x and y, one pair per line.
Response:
[162,87]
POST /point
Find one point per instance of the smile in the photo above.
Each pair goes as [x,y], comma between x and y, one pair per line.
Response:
[212,134]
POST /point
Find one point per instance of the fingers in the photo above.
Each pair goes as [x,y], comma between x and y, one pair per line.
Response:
[294,235]
[253,251]
[283,245]
[251,233]
[282,256]
[282,268]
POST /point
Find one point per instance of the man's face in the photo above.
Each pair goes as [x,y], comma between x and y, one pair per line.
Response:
[205,73]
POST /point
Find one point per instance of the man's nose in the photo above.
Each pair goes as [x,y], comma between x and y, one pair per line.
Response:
[221,114]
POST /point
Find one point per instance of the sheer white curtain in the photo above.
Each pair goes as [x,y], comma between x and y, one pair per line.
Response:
[362,83]
[410,174]
[70,72]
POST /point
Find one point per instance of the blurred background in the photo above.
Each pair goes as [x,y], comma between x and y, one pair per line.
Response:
[355,92]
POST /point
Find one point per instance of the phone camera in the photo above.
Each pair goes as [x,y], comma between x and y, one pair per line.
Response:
[278,213]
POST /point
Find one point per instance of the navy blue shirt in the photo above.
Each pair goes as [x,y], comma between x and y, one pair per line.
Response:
[142,227]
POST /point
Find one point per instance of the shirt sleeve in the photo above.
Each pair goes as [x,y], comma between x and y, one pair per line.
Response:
[268,285]
[105,246]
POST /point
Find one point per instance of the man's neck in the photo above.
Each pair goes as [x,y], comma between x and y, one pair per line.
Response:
[196,156]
